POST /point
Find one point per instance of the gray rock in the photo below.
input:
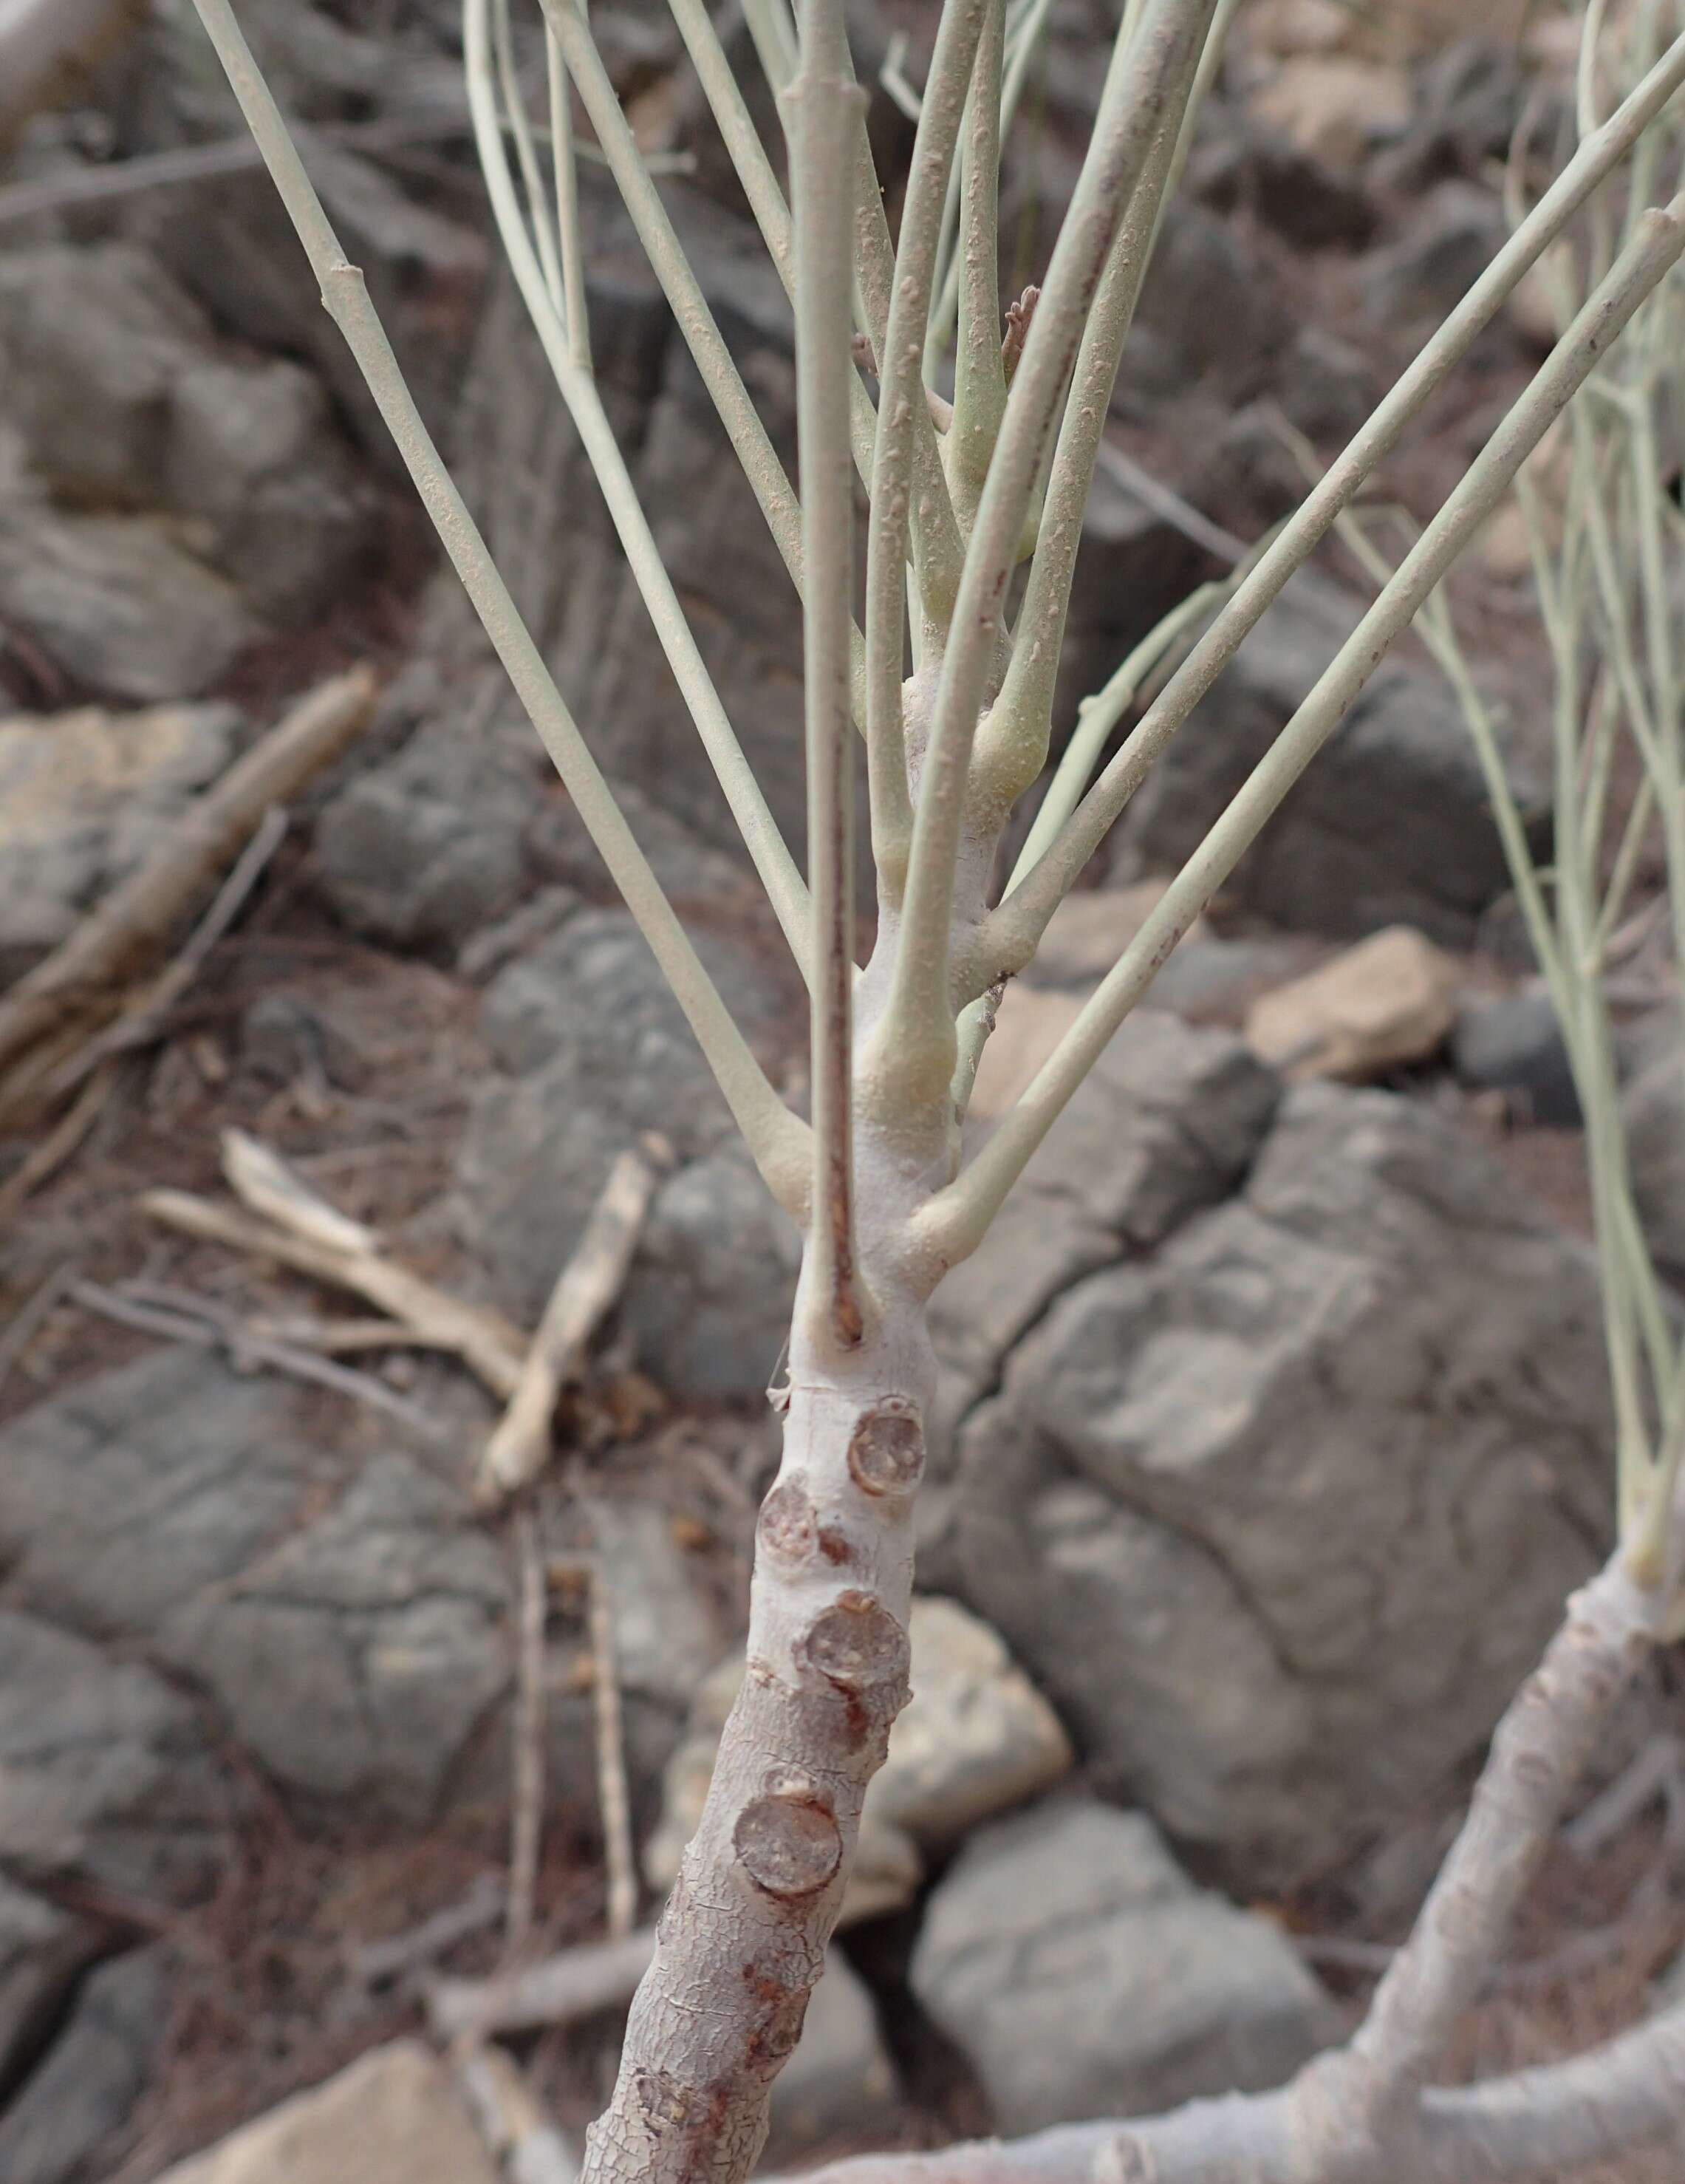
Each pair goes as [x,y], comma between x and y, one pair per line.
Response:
[348,1622]
[116,603]
[1512,1042]
[92,2077]
[1311,1481]
[428,849]
[708,1302]
[358,1659]
[42,1947]
[84,798]
[1451,238]
[840,2079]
[129,402]
[103,1777]
[1082,1974]
[1388,825]
[458,830]
[598,1051]
[1166,1123]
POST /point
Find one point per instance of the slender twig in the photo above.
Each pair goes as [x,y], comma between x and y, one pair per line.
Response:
[914,1044]
[900,361]
[766,844]
[1041,892]
[979,371]
[823,105]
[613,1792]
[482,1337]
[206,1330]
[776,1139]
[957,1219]
[527,1731]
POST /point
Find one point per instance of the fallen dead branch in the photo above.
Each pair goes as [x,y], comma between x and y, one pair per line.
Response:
[589,1284]
[302,1232]
[521,2138]
[205,1327]
[53,1011]
[398,1957]
[527,1799]
[562,1990]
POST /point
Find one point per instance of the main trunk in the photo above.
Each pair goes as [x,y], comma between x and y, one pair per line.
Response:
[743,1939]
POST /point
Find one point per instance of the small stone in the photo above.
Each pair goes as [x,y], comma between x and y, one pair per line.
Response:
[393,2117]
[1390,999]
[1334,107]
[1513,1042]
[1082,1974]
[84,796]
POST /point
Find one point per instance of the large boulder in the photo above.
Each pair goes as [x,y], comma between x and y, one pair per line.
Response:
[1280,1512]
[1390,824]
[1082,1974]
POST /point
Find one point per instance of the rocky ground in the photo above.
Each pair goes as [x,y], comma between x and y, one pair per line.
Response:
[1273,1427]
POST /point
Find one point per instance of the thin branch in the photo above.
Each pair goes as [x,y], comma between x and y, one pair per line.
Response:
[1034,902]
[666,254]
[613,1792]
[481,1338]
[1543,2124]
[205,1329]
[766,846]
[527,1732]
[914,1044]
[136,919]
[954,1223]
[979,373]
[1538,1753]
[901,413]
[754,169]
[1013,744]
[823,106]
[776,1139]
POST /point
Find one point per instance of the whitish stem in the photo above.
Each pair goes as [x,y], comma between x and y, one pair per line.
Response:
[978,372]
[822,109]
[767,849]
[1013,745]
[753,449]
[936,536]
[777,1139]
[754,169]
[955,1221]
[1364,2114]
[901,405]
[1538,1753]
[568,225]
[1544,2124]
[915,1046]
[743,1939]
[1041,891]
